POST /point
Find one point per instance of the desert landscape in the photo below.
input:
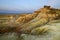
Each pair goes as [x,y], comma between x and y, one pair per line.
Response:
[42,24]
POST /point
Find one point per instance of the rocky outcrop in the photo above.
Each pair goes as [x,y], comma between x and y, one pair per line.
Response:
[29,22]
[44,16]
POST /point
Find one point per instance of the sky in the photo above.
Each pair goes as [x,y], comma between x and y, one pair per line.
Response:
[25,6]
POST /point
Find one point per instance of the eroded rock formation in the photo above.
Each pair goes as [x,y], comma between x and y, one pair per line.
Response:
[44,15]
[31,22]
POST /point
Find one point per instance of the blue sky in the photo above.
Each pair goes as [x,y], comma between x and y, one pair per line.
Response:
[19,6]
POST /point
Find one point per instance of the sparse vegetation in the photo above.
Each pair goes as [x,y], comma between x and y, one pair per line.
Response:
[34,23]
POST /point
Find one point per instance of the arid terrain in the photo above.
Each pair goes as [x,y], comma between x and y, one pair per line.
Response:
[43,24]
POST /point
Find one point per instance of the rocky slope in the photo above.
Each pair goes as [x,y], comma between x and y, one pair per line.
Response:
[43,24]
[44,15]
[28,23]
[52,34]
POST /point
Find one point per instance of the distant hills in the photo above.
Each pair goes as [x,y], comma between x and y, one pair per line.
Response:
[15,11]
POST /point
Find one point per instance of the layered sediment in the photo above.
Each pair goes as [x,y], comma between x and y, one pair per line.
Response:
[32,22]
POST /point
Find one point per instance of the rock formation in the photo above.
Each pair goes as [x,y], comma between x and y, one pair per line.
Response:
[32,22]
[44,15]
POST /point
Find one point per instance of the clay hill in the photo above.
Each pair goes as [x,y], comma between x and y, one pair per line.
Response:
[38,18]
[29,23]
[45,12]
